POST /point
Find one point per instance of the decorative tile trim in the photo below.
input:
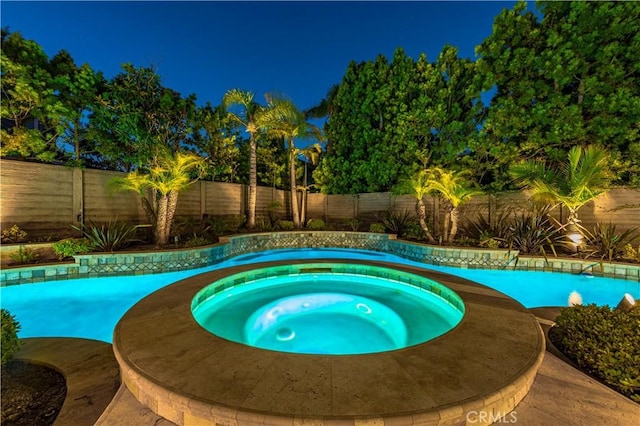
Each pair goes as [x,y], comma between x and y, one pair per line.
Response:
[137,263]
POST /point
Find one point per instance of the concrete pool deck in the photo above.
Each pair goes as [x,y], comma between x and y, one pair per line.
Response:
[560,393]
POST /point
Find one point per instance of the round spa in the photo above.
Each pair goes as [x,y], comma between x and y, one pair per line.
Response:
[327,342]
[337,310]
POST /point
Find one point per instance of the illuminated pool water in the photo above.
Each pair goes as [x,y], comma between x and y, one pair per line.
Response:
[340,310]
[91,307]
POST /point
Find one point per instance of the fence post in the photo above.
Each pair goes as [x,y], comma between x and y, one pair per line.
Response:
[326,208]
[78,197]
[203,198]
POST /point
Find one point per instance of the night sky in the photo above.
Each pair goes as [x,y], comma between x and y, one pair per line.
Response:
[299,49]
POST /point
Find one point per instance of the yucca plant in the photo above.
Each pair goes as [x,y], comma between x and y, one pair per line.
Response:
[605,242]
[489,232]
[397,222]
[531,232]
[109,236]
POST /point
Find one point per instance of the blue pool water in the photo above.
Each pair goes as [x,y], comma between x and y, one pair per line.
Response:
[90,308]
[332,312]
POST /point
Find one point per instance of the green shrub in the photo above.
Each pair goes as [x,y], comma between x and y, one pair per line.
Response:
[184,227]
[110,236]
[603,342]
[13,235]
[218,226]
[607,244]
[316,224]
[197,241]
[23,256]
[9,342]
[414,231]
[70,247]
[486,239]
[353,224]
[631,253]
[285,225]
[273,209]
[264,224]
[376,227]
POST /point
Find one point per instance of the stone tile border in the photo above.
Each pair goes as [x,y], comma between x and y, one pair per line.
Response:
[477,372]
[138,263]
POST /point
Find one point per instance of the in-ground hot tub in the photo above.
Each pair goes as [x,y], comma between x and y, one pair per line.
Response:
[332,310]
[482,368]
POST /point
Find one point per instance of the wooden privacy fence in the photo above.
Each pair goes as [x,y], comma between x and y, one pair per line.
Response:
[47,198]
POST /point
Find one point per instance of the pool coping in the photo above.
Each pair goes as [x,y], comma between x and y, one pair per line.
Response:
[138,263]
[189,376]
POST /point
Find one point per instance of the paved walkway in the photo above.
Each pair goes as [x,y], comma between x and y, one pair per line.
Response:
[561,394]
[90,369]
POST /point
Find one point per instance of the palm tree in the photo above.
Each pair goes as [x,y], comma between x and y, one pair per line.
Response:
[312,155]
[286,121]
[251,117]
[418,185]
[324,109]
[573,184]
[455,189]
[168,175]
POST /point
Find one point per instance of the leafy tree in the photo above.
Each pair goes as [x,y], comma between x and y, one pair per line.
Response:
[446,109]
[352,131]
[565,79]
[215,138]
[288,122]
[136,116]
[168,175]
[77,88]
[30,111]
[384,112]
[583,177]
[272,162]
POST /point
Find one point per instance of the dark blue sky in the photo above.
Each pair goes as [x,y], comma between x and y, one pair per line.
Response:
[299,49]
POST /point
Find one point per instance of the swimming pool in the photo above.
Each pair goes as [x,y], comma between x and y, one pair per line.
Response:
[90,308]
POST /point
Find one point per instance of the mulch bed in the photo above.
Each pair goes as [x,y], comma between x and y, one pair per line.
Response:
[31,394]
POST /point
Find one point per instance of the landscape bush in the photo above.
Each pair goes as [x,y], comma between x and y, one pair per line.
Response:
[285,225]
[9,342]
[23,256]
[377,228]
[316,224]
[69,247]
[13,235]
[353,223]
[603,342]
[197,241]
[632,254]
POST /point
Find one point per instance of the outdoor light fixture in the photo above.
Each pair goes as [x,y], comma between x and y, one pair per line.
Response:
[627,303]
